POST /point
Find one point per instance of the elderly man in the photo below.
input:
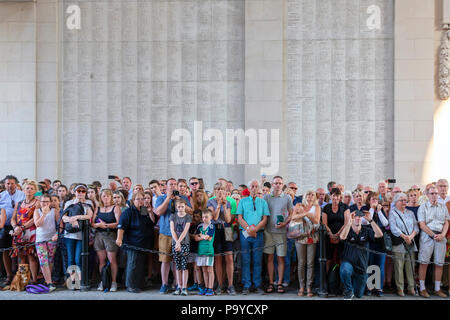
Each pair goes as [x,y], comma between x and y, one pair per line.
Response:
[382,190]
[252,217]
[281,208]
[8,200]
[433,220]
[320,193]
[355,256]
[442,187]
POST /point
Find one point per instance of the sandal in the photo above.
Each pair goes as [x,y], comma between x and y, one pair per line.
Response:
[301,292]
[280,288]
[310,294]
[270,288]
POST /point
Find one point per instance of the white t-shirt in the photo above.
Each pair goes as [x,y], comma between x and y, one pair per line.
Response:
[48,229]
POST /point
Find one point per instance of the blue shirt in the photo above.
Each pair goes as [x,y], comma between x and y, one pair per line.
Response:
[248,212]
[8,202]
[164,220]
[138,228]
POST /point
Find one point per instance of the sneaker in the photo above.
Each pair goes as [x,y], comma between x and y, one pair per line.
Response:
[113,287]
[209,292]
[245,291]
[134,290]
[194,287]
[184,292]
[51,287]
[379,293]
[100,287]
[348,296]
[285,284]
[177,292]
[258,290]
[164,289]
[201,291]
[218,291]
[231,291]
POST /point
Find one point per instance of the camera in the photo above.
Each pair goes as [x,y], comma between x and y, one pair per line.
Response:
[176,193]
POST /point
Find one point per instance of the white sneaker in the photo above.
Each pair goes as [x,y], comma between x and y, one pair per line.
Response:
[100,287]
[113,287]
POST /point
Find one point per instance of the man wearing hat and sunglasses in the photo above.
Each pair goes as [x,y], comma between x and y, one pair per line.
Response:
[355,257]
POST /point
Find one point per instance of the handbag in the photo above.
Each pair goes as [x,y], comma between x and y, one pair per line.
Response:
[387,241]
[296,230]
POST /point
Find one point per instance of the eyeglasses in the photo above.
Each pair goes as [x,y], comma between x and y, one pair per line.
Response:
[80,191]
[194,183]
[293,188]
[417,189]
[433,193]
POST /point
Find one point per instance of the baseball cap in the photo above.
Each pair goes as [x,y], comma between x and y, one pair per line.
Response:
[80,186]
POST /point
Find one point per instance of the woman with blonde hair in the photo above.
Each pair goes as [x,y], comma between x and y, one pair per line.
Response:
[308,212]
[105,221]
[24,228]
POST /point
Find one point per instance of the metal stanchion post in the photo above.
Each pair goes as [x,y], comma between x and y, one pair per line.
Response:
[84,286]
[322,262]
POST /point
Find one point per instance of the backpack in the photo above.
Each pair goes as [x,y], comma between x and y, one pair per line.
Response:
[334,281]
[75,209]
[105,275]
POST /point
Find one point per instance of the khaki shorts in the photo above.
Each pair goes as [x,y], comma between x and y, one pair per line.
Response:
[429,247]
[165,245]
[105,241]
[272,239]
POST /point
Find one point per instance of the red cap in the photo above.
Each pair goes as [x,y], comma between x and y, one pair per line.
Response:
[245,192]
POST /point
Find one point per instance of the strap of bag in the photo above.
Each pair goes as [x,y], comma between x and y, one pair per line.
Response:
[406,228]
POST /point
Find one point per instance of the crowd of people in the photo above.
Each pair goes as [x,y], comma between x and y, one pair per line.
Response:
[252,237]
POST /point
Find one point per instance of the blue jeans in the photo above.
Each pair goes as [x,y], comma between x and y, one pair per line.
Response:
[255,256]
[353,282]
[291,255]
[379,260]
[73,251]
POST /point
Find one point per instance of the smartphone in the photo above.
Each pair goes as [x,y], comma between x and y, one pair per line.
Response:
[391,183]
[112,177]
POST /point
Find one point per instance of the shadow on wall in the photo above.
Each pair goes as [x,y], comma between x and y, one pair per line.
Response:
[437,161]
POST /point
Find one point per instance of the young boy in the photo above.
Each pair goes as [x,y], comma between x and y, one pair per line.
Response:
[198,281]
[205,253]
[179,227]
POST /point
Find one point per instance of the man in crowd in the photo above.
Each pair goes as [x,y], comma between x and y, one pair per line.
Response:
[433,221]
[162,185]
[297,199]
[382,190]
[355,257]
[442,187]
[280,208]
[165,207]
[8,201]
[252,217]
[194,184]
[127,185]
[320,192]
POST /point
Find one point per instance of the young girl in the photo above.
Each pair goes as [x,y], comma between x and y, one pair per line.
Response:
[205,252]
[45,219]
[179,227]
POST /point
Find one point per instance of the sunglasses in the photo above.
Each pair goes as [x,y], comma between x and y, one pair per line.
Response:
[294,188]
[366,192]
[80,191]
[194,183]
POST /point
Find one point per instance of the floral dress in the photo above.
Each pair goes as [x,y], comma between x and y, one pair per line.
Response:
[28,236]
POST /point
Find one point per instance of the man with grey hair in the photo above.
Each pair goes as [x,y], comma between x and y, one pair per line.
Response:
[442,187]
[252,217]
[403,224]
[382,190]
[433,220]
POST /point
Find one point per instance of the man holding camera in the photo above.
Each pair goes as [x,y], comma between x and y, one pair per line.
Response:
[165,207]
[355,257]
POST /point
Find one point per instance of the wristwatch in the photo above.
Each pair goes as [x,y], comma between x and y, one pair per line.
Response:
[370,221]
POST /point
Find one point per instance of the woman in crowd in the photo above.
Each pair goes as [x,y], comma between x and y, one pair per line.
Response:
[200,199]
[135,229]
[221,209]
[105,222]
[46,219]
[413,204]
[93,195]
[73,240]
[403,223]
[59,263]
[119,200]
[347,199]
[306,247]
[150,256]
[377,214]
[183,188]
[333,218]
[388,266]
[24,228]
[358,197]
[62,194]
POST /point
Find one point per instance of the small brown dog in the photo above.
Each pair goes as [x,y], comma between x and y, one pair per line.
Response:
[21,279]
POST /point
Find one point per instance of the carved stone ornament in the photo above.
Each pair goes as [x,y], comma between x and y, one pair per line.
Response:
[444,68]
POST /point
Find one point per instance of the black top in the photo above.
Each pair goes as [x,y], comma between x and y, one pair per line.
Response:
[335,219]
[107,217]
[137,226]
[358,257]
[413,209]
[193,244]
[354,207]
